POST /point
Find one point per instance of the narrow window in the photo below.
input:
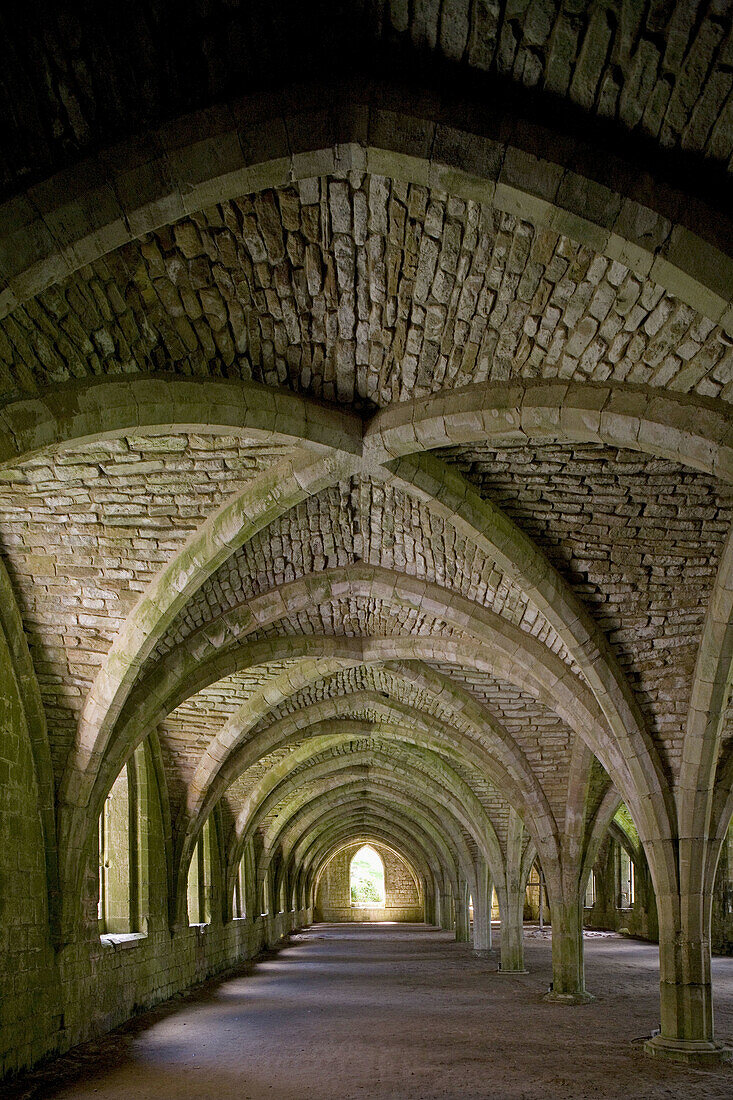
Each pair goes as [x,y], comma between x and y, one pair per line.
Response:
[103,858]
[626,877]
[199,879]
[240,905]
[590,891]
[367,878]
[266,894]
[123,851]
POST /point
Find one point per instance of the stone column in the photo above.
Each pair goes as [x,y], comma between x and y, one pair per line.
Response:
[482,908]
[251,893]
[431,903]
[428,905]
[646,900]
[462,914]
[568,970]
[604,910]
[446,910]
[512,933]
[686,1017]
[512,901]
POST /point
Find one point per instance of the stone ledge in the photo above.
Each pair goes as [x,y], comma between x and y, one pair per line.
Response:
[122,941]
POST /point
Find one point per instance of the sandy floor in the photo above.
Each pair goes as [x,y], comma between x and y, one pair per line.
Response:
[394,1011]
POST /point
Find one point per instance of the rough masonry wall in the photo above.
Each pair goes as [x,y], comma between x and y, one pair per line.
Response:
[333,897]
[541,731]
[85,530]
[358,520]
[364,290]
[187,732]
[638,539]
[31,1004]
[641,919]
[52,1000]
[649,69]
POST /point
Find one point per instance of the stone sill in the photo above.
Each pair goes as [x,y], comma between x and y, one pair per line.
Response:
[619,908]
[122,941]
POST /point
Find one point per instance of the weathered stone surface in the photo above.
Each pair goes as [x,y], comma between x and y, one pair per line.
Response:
[275,635]
[359,521]
[436,293]
[84,532]
[639,540]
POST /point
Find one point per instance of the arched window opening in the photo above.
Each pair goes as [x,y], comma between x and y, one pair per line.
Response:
[725,874]
[240,896]
[265,907]
[367,879]
[123,836]
[199,879]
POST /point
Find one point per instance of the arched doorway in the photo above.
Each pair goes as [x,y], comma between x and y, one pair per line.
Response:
[366,878]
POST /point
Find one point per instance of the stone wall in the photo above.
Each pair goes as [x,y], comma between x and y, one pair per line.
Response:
[366,290]
[55,996]
[404,900]
[31,1003]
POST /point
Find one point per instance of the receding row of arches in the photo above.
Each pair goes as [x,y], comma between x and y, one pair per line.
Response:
[402,731]
[618,891]
[366,479]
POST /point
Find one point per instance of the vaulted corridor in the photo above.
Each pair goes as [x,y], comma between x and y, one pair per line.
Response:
[395,1011]
[366,547]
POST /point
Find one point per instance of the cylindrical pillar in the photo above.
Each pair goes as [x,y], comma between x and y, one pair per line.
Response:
[512,933]
[462,914]
[686,1016]
[568,972]
[482,909]
[446,910]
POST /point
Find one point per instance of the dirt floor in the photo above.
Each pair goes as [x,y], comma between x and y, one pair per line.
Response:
[393,1011]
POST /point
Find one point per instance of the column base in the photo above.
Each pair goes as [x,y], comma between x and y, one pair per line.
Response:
[582,997]
[511,972]
[696,1052]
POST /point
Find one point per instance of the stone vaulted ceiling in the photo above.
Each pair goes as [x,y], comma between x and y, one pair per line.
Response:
[393,461]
